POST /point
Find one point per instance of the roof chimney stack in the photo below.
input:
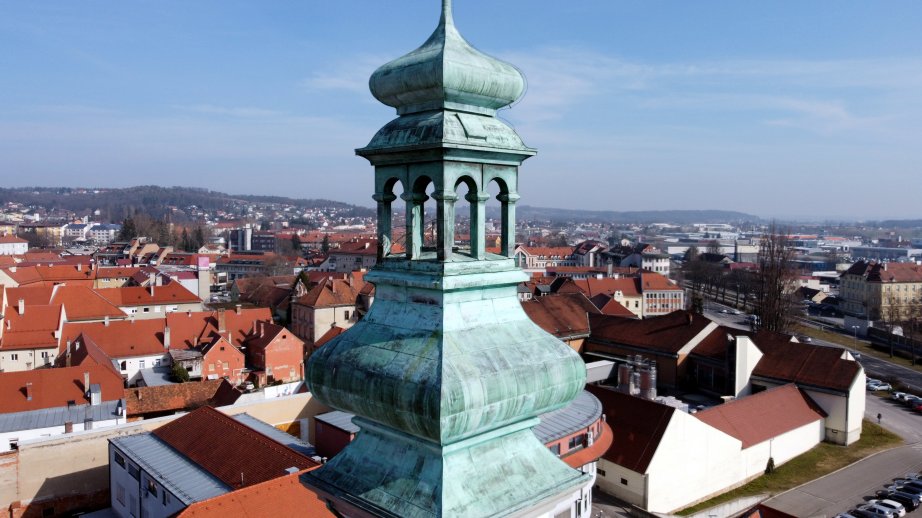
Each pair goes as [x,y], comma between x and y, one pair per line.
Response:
[239,308]
[22,306]
[105,321]
[166,337]
[67,357]
[222,321]
[28,391]
[86,383]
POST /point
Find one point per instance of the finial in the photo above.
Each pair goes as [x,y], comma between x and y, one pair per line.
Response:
[446,13]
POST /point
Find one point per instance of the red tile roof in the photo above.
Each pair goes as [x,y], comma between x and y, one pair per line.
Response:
[121,338]
[53,388]
[616,309]
[169,293]
[760,417]
[264,500]
[189,329]
[329,335]
[84,303]
[667,333]
[180,396]
[562,315]
[628,286]
[9,238]
[886,272]
[548,251]
[637,425]
[231,451]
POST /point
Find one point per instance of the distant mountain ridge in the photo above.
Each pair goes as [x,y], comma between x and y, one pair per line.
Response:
[117,203]
[634,216]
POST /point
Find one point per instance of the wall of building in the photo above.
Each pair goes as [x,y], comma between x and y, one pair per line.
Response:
[618,481]
[159,310]
[130,367]
[754,460]
[128,493]
[26,359]
[59,468]
[693,461]
[50,431]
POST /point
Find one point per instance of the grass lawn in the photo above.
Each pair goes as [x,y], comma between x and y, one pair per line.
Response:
[821,460]
[862,347]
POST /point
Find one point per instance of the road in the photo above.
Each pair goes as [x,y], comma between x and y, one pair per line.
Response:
[847,488]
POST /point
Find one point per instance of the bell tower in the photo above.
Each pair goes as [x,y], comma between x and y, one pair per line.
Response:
[446,374]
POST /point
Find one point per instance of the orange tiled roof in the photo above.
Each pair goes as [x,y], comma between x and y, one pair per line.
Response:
[667,333]
[757,418]
[55,387]
[189,329]
[231,451]
[263,500]
[121,338]
[169,293]
[4,239]
[331,292]
[562,315]
[592,286]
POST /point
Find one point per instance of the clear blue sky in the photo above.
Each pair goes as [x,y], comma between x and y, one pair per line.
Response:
[805,109]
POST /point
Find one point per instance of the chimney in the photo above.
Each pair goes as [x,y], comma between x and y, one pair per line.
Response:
[222,321]
[79,267]
[67,357]
[166,337]
[691,318]
[239,308]
[86,383]
[28,391]
[105,321]
[22,306]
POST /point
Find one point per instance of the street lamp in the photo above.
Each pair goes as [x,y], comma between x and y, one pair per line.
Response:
[855,331]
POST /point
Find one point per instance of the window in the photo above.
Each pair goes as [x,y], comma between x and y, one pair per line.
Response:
[555,449]
[147,310]
[601,472]
[123,365]
[14,357]
[577,442]
[346,315]
[210,367]
[151,487]
[623,481]
[166,498]
[118,459]
[141,364]
[134,472]
[45,354]
[225,365]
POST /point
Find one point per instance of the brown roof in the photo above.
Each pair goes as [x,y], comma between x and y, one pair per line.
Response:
[329,335]
[803,364]
[51,274]
[717,344]
[53,388]
[562,315]
[179,396]
[760,417]
[83,303]
[667,333]
[5,238]
[886,272]
[267,499]
[629,286]
[652,281]
[613,308]
[189,329]
[231,451]
[637,424]
[266,332]
[548,251]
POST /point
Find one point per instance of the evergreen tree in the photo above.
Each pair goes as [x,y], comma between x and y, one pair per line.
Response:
[128,230]
[325,245]
[198,237]
[184,242]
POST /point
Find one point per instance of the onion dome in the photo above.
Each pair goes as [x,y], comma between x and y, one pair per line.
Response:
[446,72]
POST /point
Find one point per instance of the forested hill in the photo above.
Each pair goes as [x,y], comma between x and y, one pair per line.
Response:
[155,201]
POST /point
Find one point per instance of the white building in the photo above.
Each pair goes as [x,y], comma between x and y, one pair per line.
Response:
[12,245]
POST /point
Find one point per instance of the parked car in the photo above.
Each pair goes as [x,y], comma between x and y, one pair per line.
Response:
[909,485]
[911,400]
[896,507]
[804,339]
[875,387]
[909,501]
[916,492]
[736,312]
[898,396]
[875,511]
[871,380]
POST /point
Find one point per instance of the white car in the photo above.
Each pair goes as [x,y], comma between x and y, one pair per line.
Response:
[879,386]
[875,511]
[894,506]
[898,396]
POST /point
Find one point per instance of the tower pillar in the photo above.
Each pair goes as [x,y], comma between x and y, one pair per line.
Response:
[507,236]
[445,221]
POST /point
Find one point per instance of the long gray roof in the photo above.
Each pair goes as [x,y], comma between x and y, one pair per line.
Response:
[584,410]
[49,417]
[182,477]
[339,419]
[276,435]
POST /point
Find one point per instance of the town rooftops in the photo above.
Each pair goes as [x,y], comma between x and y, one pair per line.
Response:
[760,417]
[234,453]
[331,293]
[164,399]
[58,416]
[169,293]
[874,271]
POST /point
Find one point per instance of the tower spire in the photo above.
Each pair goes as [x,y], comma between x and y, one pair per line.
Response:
[446,13]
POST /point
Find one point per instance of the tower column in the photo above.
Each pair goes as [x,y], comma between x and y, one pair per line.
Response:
[445,219]
[478,201]
[414,218]
[385,218]
[507,238]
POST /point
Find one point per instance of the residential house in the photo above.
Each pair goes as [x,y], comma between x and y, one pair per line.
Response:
[564,315]
[333,302]
[12,245]
[29,335]
[275,354]
[536,259]
[47,402]
[163,400]
[356,254]
[220,359]
[152,301]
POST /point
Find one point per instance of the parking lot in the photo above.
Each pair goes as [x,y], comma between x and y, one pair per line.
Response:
[847,488]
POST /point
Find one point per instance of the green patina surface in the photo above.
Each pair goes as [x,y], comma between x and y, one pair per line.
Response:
[446,372]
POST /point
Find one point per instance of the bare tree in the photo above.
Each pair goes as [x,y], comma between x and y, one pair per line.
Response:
[891,314]
[713,247]
[774,284]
